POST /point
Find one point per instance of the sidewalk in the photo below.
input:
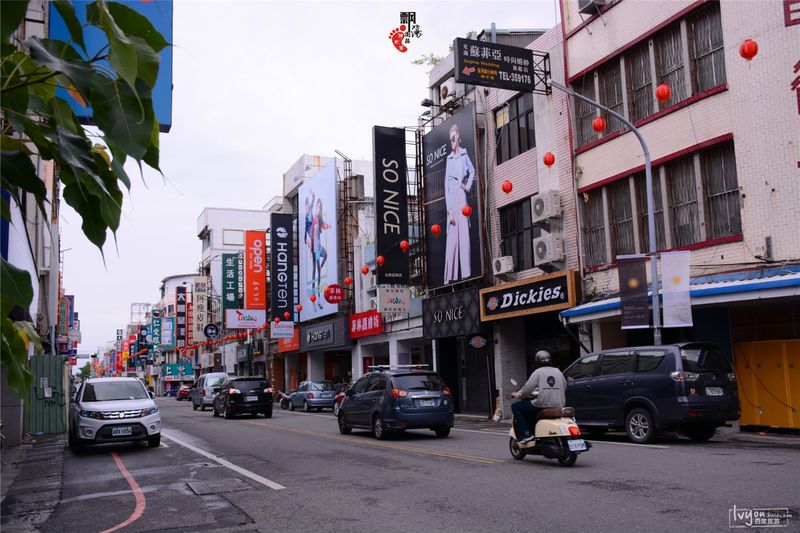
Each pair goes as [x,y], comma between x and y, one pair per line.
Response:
[31,481]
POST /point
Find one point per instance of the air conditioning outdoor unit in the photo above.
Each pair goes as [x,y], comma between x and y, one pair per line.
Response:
[546,204]
[590,7]
[549,248]
[503,265]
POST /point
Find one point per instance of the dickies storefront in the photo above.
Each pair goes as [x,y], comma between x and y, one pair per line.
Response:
[463,353]
[524,319]
[325,353]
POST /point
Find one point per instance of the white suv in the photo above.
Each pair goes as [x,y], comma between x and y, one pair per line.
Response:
[113,410]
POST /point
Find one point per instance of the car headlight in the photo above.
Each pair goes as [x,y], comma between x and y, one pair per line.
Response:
[149,411]
[97,415]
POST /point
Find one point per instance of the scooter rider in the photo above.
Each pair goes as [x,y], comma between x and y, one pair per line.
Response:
[550,383]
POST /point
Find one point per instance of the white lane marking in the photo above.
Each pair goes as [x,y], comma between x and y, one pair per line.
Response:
[255,477]
[164,445]
[496,432]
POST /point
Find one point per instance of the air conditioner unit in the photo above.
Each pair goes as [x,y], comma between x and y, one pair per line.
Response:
[503,265]
[590,7]
[549,248]
[546,204]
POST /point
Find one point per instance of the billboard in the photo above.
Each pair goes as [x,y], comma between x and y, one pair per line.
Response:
[317,245]
[391,203]
[452,201]
[281,265]
[200,292]
[245,318]
[255,275]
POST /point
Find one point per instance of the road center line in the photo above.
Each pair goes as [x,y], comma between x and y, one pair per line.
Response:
[255,477]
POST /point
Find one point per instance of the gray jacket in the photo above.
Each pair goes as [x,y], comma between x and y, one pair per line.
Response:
[550,383]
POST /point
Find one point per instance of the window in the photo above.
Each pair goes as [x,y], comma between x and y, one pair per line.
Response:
[377,383]
[233,237]
[361,385]
[704,359]
[723,217]
[614,363]
[648,360]
[516,234]
[322,386]
[669,63]
[109,391]
[683,202]
[594,229]
[620,216]
[708,55]
[418,382]
[585,368]
[658,208]
[514,122]
[639,82]
[610,83]
[584,113]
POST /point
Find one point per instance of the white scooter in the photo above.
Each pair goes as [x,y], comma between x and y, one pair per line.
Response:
[556,436]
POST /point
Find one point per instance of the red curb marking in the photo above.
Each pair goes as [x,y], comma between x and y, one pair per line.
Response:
[137,492]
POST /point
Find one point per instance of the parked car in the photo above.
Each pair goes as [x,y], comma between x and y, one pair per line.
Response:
[202,394]
[312,395]
[183,392]
[243,395]
[113,410]
[688,387]
[389,400]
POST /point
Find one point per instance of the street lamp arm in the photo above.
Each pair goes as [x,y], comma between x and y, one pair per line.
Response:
[651,223]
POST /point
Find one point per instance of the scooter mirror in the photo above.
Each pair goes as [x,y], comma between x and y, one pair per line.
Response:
[513,381]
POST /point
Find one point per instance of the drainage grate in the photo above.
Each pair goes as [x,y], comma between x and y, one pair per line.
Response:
[215,486]
[35,460]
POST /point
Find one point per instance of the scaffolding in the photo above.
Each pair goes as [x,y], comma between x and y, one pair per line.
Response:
[347,224]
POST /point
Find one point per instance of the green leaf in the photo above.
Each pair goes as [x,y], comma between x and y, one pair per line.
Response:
[75,151]
[67,12]
[151,157]
[86,206]
[18,170]
[14,357]
[62,115]
[147,61]
[39,133]
[11,16]
[122,54]
[118,158]
[61,57]
[15,92]
[134,23]
[126,120]
[16,288]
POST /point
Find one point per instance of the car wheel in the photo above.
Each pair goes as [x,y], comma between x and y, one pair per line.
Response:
[154,441]
[291,405]
[214,410]
[284,404]
[227,412]
[569,460]
[336,409]
[516,452]
[306,407]
[344,429]
[378,429]
[268,413]
[442,432]
[640,426]
[700,433]
[202,406]
[75,443]
[194,406]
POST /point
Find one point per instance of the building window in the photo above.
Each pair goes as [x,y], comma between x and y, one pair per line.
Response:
[516,234]
[723,217]
[610,83]
[639,83]
[683,202]
[658,208]
[669,63]
[514,122]
[620,218]
[594,229]
[708,55]
[584,112]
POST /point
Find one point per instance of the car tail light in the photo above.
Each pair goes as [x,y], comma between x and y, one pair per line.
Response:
[397,393]
[574,431]
[446,391]
[694,413]
[268,390]
[234,391]
[310,395]
[684,376]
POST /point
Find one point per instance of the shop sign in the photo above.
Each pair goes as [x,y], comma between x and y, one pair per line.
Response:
[281,264]
[255,276]
[321,335]
[451,315]
[365,324]
[178,372]
[180,317]
[242,353]
[245,318]
[230,281]
[281,330]
[334,293]
[258,347]
[477,342]
[542,294]
[394,299]
[291,344]
[391,203]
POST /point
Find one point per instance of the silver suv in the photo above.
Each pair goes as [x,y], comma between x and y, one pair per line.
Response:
[113,410]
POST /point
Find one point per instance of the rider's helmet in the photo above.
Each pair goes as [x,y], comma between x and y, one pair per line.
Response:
[542,358]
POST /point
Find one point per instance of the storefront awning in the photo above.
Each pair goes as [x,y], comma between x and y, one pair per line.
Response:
[781,282]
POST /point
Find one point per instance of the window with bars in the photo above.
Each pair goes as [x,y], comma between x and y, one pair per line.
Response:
[683,202]
[707,53]
[639,82]
[609,79]
[584,113]
[514,123]
[620,218]
[721,188]
[669,63]
[516,233]
[658,208]
[594,228]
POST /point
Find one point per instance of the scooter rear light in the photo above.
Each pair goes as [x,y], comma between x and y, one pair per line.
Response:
[574,431]
[397,393]
[310,395]
[446,391]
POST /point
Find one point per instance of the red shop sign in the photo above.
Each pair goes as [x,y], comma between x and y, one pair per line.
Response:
[334,293]
[365,324]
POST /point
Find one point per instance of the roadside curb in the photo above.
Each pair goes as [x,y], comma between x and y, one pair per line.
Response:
[32,478]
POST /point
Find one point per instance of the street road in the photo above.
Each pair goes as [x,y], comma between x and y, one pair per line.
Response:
[295,472]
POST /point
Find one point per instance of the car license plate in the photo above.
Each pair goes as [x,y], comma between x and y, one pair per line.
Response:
[576,445]
[125,431]
[327,394]
[251,398]
[427,403]
[713,391]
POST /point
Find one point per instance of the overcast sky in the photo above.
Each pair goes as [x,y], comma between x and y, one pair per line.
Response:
[256,85]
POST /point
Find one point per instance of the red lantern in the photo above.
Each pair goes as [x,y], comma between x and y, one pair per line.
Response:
[365,270]
[277,319]
[313,297]
[403,245]
[258,330]
[299,307]
[348,281]
[466,211]
[748,49]
[436,229]
[380,260]
[663,92]
[507,186]
[286,315]
[549,159]
[599,124]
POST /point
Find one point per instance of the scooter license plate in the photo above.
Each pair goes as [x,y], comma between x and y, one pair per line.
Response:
[576,445]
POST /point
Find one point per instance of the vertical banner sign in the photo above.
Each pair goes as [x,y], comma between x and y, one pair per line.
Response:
[168,333]
[633,291]
[230,281]
[63,317]
[255,276]
[155,329]
[180,317]
[391,203]
[199,306]
[675,276]
[282,264]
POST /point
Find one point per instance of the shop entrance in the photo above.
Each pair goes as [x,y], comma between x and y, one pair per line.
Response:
[467,371]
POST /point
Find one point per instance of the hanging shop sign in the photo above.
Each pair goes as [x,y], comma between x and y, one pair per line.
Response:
[281,330]
[230,281]
[632,271]
[391,203]
[334,293]
[281,264]
[178,372]
[394,299]
[365,324]
[243,353]
[451,315]
[550,292]
[324,335]
[255,294]
[245,318]
[501,66]
[200,291]
[291,344]
[180,317]
[258,347]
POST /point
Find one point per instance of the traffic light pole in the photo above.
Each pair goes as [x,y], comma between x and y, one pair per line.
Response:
[651,223]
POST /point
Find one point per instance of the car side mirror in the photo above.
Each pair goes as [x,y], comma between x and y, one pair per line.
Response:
[152,394]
